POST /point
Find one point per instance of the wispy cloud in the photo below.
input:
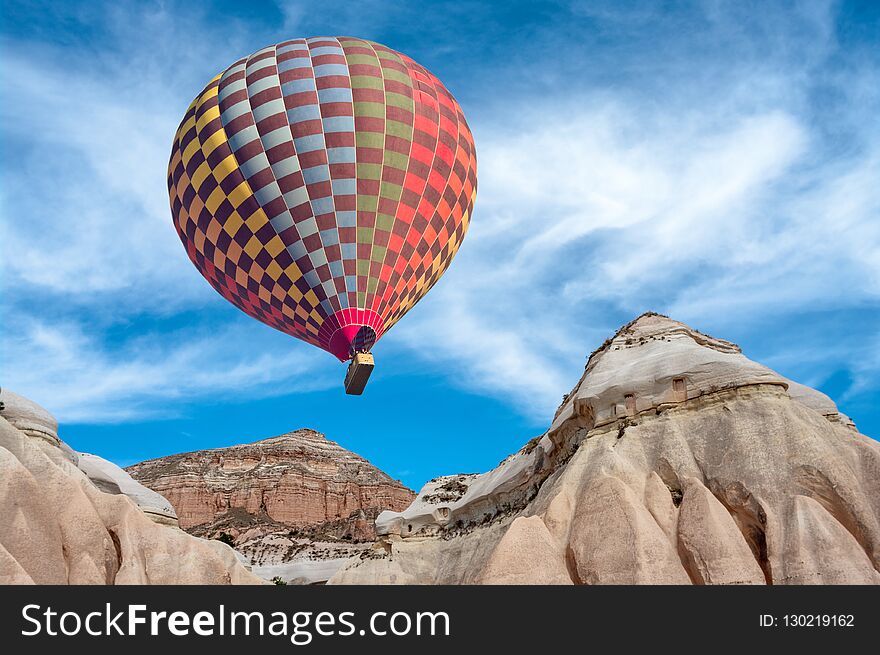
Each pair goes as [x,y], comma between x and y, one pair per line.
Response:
[85,196]
[84,380]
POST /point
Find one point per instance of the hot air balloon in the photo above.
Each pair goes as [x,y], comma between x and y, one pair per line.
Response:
[323,186]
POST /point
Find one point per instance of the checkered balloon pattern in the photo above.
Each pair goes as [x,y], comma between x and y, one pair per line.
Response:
[323,186]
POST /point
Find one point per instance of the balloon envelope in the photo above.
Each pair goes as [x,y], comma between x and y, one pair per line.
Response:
[323,186]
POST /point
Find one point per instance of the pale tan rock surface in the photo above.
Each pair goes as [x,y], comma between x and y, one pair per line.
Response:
[35,421]
[59,528]
[675,460]
[113,480]
[28,416]
[526,554]
[710,543]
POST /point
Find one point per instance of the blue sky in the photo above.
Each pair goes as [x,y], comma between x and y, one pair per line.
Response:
[717,162]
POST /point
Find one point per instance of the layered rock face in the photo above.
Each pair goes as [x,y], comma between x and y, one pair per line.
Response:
[299,479]
[674,460]
[74,519]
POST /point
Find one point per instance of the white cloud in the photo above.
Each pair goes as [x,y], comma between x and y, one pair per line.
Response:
[83,380]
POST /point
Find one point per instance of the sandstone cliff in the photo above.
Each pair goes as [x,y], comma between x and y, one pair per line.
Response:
[300,479]
[70,518]
[297,506]
[675,459]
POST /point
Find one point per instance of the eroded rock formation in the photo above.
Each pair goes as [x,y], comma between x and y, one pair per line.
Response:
[61,526]
[298,479]
[297,506]
[675,459]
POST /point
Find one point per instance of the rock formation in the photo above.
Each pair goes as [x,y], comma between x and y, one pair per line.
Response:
[297,505]
[70,518]
[296,479]
[113,480]
[36,422]
[674,460]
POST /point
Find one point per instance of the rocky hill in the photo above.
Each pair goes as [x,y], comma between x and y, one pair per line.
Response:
[296,505]
[299,479]
[74,518]
[676,460]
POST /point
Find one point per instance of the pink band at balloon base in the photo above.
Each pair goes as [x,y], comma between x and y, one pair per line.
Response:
[351,330]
